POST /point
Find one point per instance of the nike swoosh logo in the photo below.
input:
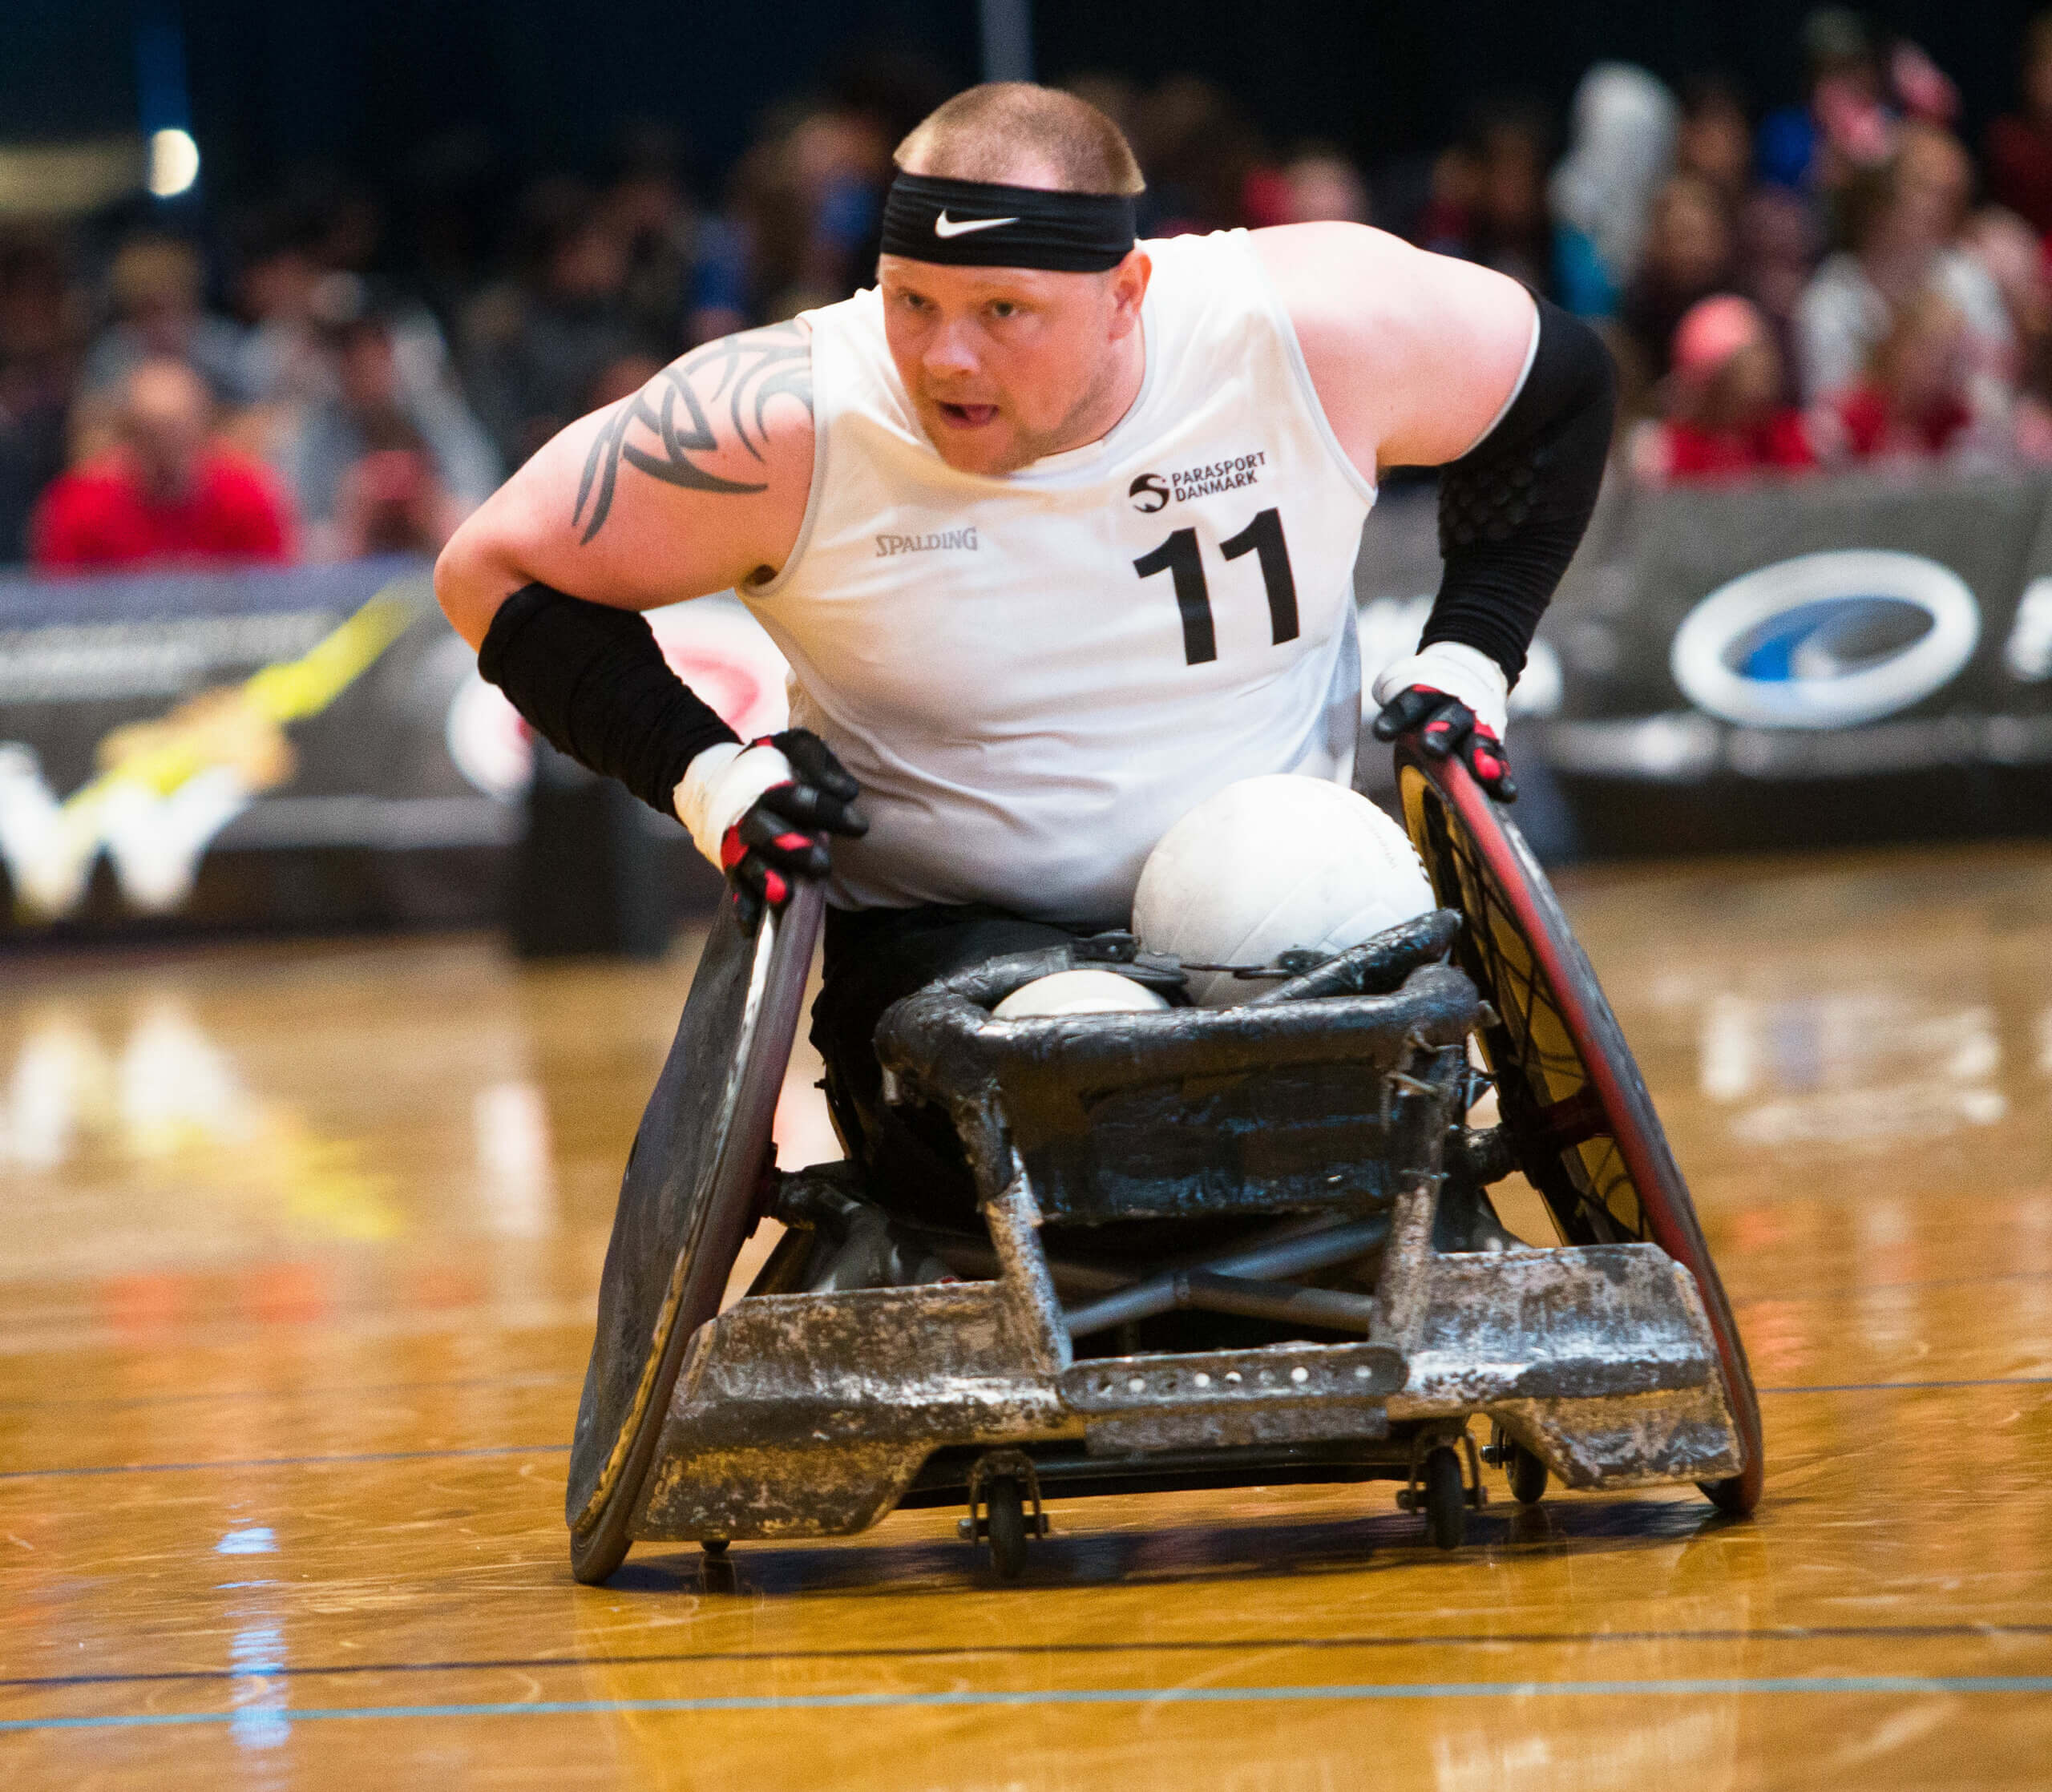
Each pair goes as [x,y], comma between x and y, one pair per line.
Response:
[945,226]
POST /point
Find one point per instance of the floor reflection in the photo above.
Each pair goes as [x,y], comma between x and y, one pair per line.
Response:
[1864,1069]
[298,1291]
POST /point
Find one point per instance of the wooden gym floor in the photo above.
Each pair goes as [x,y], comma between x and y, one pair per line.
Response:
[296,1285]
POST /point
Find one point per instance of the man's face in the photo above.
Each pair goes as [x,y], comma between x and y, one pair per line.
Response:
[1006,364]
[165,422]
[1691,241]
[368,369]
[1746,385]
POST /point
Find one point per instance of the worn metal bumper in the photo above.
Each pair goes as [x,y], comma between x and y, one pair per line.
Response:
[811,1414]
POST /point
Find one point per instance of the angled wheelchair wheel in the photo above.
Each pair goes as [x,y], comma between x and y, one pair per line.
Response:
[1445,1499]
[1572,1098]
[1005,1512]
[1527,1476]
[687,1204]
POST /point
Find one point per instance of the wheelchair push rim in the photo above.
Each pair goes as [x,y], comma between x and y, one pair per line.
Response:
[1570,1093]
[722,1216]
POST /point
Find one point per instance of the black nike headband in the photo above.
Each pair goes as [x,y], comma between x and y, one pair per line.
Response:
[977,223]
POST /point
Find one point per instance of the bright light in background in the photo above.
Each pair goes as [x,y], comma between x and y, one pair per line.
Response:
[174,163]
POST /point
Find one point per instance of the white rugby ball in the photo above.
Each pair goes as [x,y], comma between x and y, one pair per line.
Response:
[1079,992]
[1268,865]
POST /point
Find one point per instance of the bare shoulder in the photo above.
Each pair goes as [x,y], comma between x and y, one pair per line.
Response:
[731,419]
[1412,354]
[695,483]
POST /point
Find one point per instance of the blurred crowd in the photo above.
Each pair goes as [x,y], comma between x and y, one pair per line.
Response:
[1838,283]
[1826,283]
[336,371]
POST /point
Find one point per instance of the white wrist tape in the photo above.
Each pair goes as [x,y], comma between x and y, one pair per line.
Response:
[1465,673]
[718,786]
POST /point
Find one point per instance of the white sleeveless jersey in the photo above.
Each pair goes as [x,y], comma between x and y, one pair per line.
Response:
[1034,674]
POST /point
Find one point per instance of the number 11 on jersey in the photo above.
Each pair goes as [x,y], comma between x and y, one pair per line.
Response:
[1180,557]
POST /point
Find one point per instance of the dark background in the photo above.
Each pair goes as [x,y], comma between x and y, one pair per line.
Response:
[366,83]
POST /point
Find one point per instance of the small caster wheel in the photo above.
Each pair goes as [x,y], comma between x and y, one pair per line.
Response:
[1005,1513]
[1445,1499]
[1527,1476]
[713,1546]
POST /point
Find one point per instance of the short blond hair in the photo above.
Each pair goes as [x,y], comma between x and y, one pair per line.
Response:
[1005,128]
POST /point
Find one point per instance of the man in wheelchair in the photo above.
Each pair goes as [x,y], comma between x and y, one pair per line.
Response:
[1056,528]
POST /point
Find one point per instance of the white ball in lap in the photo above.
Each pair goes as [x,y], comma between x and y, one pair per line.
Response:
[1078,992]
[1271,865]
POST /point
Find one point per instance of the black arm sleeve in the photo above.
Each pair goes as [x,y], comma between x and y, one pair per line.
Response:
[1512,508]
[591,679]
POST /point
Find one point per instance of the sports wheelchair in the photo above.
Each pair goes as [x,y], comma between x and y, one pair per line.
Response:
[1221,1247]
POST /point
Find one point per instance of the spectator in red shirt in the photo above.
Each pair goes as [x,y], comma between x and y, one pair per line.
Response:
[2019,146]
[1725,417]
[1912,405]
[167,495]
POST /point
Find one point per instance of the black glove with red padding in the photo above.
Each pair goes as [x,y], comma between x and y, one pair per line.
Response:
[765,813]
[1453,698]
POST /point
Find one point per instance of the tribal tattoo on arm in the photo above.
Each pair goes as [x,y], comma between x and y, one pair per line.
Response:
[678,415]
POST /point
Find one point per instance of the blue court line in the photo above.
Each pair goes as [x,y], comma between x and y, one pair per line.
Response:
[1895,1684]
[291,1462]
[1037,1652]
